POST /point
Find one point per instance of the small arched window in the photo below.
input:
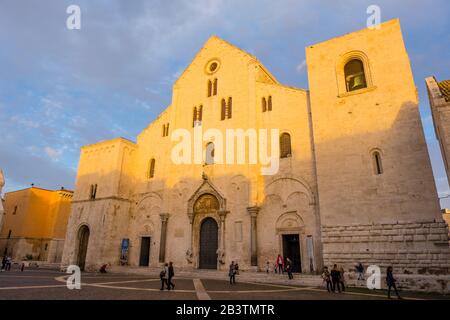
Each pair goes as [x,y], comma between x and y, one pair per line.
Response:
[194,116]
[377,163]
[264,104]
[215,87]
[200,113]
[285,145]
[209,88]
[269,104]
[223,109]
[355,77]
[209,156]
[230,108]
[151,170]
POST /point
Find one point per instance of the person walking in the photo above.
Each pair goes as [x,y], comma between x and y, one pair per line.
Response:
[232,273]
[22,267]
[335,276]
[342,278]
[163,276]
[171,275]
[280,264]
[4,263]
[289,268]
[390,281]
[327,279]
[360,271]
[8,263]
[267,267]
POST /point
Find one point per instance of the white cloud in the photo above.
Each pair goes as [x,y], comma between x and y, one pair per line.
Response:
[53,153]
[300,67]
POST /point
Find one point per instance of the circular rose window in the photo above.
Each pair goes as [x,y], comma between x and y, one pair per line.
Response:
[212,66]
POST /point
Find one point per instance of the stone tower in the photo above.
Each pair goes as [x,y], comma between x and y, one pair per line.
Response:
[377,197]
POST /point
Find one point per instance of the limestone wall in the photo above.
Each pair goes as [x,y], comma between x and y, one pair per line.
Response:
[410,247]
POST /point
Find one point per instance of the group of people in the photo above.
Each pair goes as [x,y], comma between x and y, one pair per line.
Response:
[336,279]
[166,276]
[281,267]
[6,263]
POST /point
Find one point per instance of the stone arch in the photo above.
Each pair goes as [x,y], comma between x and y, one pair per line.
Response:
[289,221]
[297,184]
[83,235]
[342,60]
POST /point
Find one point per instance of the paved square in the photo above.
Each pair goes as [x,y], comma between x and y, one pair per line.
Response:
[36,284]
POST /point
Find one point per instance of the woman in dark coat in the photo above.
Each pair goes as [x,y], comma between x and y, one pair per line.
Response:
[390,281]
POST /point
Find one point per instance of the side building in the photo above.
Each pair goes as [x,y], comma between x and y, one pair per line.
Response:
[439,95]
[35,224]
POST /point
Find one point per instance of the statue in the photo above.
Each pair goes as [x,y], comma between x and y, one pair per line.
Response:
[221,256]
[189,256]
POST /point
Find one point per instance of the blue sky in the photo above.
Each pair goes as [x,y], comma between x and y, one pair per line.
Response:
[61,89]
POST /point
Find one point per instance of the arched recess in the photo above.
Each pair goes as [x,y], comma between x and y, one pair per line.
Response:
[206,202]
[340,74]
[82,245]
[287,185]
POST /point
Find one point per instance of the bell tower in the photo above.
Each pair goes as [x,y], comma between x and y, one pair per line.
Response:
[373,167]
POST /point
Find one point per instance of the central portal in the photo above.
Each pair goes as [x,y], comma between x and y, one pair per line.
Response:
[208,244]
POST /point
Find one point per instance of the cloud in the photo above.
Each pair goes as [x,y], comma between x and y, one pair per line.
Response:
[61,89]
[301,66]
[52,153]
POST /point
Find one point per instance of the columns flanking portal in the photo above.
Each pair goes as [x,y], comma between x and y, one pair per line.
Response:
[253,211]
[162,242]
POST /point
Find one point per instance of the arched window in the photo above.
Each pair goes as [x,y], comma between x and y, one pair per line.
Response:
[165,132]
[209,156]
[209,88]
[269,104]
[355,77]
[215,87]
[223,109]
[377,163]
[285,145]
[194,116]
[93,191]
[151,170]
[264,104]
[230,108]
[200,113]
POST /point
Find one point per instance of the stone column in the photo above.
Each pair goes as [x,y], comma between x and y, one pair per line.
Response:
[162,242]
[253,211]
[222,216]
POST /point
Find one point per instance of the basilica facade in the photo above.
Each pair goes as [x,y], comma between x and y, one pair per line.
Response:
[353,182]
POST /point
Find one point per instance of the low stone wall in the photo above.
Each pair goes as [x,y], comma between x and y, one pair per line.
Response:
[411,248]
[412,282]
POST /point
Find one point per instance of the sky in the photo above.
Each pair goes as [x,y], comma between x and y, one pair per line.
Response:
[61,89]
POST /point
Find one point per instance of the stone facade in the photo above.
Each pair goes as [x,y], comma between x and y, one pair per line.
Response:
[35,223]
[439,95]
[324,205]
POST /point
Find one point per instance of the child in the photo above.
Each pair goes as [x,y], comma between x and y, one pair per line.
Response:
[267,267]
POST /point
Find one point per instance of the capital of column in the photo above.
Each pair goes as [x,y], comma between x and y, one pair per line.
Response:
[253,211]
[223,214]
[191,217]
[164,217]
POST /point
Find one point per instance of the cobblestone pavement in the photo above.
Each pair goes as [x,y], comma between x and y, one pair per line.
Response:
[37,284]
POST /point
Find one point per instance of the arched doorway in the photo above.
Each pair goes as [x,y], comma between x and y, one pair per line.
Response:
[83,240]
[209,243]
